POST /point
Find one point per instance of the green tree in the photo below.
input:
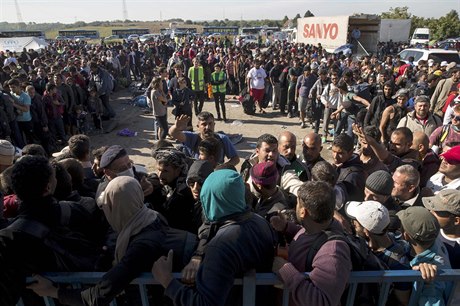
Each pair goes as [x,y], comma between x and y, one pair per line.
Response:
[188,21]
[286,18]
[308,14]
[397,13]
[294,21]
[446,26]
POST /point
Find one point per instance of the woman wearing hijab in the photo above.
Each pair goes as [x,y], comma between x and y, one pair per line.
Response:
[142,239]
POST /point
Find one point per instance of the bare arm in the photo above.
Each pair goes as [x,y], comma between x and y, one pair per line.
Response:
[384,121]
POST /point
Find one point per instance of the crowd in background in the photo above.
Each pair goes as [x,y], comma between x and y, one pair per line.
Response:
[391,190]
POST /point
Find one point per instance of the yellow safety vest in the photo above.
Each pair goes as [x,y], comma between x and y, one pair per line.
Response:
[215,77]
[191,76]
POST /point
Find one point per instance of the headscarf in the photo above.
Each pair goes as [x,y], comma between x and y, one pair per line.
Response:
[223,194]
[123,206]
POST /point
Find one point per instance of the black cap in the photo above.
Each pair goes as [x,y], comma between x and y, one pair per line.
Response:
[112,153]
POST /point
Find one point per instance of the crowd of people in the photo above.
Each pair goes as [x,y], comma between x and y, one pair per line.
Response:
[391,189]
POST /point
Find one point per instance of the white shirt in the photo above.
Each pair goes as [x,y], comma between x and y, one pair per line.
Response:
[257,77]
[436,183]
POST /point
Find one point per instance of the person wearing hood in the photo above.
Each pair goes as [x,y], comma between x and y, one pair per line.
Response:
[238,241]
[142,239]
[379,104]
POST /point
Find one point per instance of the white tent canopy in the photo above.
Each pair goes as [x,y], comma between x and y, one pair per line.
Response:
[19,43]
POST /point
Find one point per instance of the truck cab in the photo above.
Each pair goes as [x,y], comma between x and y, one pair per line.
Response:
[420,36]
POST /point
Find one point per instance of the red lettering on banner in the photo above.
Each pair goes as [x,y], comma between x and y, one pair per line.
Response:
[335,28]
[321,31]
[305,30]
[318,31]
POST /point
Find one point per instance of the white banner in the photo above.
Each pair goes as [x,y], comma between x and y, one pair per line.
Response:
[331,32]
[19,43]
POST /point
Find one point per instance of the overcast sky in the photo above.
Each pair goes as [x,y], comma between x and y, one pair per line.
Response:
[69,11]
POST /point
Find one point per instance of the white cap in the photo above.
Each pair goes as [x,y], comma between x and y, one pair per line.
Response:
[430,62]
[444,63]
[372,215]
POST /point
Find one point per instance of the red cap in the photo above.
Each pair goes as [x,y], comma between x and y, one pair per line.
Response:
[452,156]
[265,173]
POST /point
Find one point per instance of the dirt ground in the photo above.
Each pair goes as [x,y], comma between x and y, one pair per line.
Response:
[139,147]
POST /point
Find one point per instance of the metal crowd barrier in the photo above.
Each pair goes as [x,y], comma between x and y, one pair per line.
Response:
[251,280]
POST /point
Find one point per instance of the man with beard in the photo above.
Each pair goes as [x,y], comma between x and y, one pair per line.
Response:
[191,140]
[399,152]
[421,119]
[286,146]
[311,150]
[379,104]
[173,198]
[430,160]
[267,150]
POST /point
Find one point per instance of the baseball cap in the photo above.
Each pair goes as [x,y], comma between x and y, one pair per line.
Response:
[7,152]
[419,223]
[430,62]
[111,154]
[451,65]
[401,92]
[264,173]
[444,64]
[452,156]
[372,215]
[446,200]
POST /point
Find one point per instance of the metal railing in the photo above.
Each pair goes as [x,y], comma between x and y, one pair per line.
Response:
[251,280]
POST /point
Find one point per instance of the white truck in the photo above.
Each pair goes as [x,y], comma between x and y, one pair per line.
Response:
[335,31]
[396,30]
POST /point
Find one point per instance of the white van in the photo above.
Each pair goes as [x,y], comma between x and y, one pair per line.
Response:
[420,36]
[438,55]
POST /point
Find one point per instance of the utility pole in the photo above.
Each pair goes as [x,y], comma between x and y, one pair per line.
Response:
[18,12]
[125,11]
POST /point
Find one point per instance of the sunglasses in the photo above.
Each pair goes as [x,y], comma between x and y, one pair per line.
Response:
[456,118]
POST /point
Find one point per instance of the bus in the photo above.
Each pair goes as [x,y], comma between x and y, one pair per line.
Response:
[186,30]
[123,33]
[72,33]
[221,30]
[39,34]
[250,30]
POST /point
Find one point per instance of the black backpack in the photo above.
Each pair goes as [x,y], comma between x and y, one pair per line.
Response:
[71,250]
[249,107]
[362,259]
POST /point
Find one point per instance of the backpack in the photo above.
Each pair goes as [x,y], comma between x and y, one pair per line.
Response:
[71,249]
[249,107]
[363,90]
[284,77]
[362,259]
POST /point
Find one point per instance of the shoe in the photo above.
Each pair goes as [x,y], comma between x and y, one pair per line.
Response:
[289,115]
[269,104]
[303,125]
[323,139]
[331,132]
[219,118]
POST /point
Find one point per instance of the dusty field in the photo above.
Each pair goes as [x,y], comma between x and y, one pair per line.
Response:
[139,147]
